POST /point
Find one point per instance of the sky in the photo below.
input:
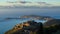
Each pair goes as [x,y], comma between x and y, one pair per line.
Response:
[32,0]
[21,11]
[48,1]
[54,2]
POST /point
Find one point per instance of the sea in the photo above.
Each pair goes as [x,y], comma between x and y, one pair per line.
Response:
[7,24]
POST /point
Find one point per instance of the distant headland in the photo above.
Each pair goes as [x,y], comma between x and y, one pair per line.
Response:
[33,17]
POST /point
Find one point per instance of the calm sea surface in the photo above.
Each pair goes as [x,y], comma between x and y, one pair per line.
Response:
[6,25]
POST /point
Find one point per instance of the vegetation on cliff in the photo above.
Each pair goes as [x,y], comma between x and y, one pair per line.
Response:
[29,27]
[32,27]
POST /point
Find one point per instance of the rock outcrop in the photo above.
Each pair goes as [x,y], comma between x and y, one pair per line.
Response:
[32,27]
[29,27]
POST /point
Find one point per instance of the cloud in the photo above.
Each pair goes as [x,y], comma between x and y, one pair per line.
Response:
[27,4]
[43,3]
[23,2]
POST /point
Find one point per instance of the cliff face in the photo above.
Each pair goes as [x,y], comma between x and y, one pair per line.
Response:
[29,27]
[32,27]
[52,22]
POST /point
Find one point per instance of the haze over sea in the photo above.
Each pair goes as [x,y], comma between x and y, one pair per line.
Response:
[6,25]
[15,12]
